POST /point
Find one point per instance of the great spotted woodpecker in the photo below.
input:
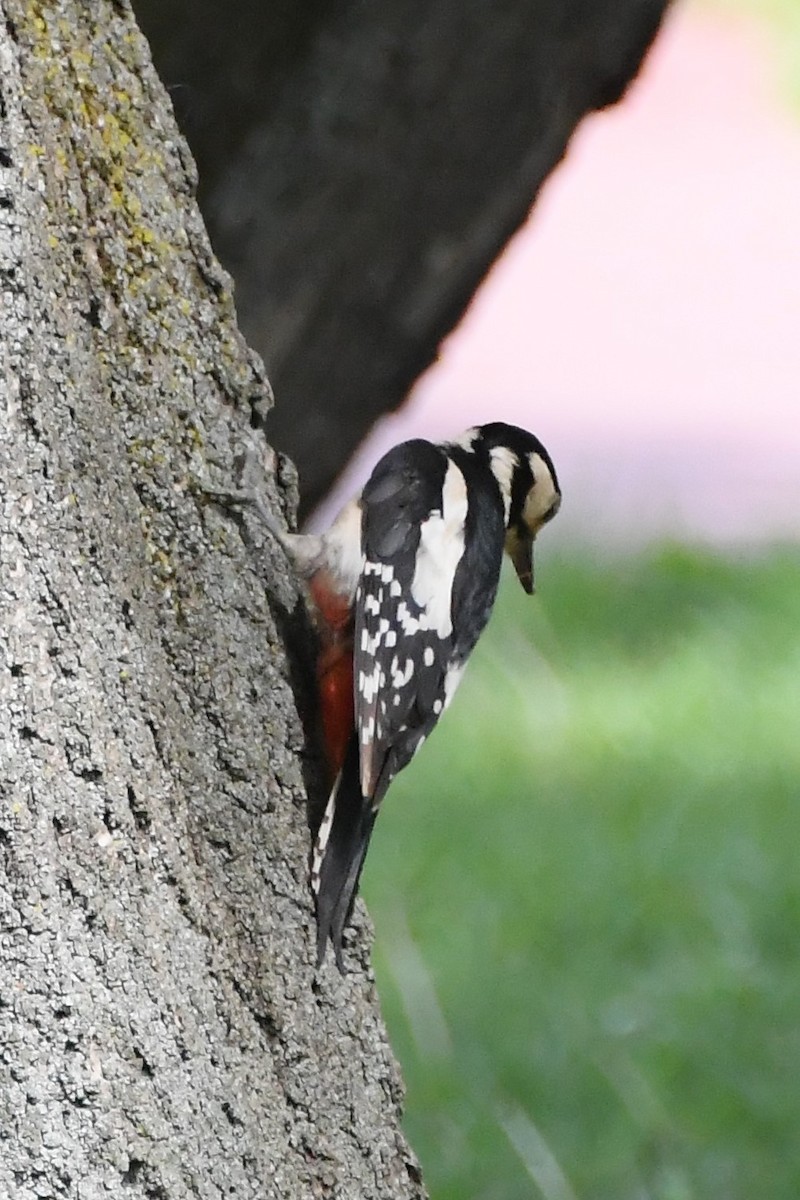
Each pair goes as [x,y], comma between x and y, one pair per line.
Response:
[403,583]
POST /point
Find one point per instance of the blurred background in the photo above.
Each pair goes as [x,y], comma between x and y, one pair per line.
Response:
[586,890]
[645,321]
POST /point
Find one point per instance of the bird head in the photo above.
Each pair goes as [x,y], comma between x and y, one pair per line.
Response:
[528,487]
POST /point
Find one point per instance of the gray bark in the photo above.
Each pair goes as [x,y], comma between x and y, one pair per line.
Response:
[163,1033]
[362,165]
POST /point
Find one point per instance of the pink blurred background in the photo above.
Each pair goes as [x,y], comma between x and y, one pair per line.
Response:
[645,323]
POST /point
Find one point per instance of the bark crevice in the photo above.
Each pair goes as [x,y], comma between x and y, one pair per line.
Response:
[153,826]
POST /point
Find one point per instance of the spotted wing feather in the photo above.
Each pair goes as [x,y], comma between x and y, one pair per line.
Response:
[432,539]
[413,518]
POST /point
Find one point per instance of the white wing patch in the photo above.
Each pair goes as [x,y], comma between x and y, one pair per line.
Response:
[441,546]
[403,632]
[408,622]
[376,634]
[401,675]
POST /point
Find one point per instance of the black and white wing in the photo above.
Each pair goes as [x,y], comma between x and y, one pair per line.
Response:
[432,532]
[419,511]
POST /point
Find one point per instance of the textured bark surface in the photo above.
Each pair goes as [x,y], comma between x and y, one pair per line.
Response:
[162,1031]
[362,165]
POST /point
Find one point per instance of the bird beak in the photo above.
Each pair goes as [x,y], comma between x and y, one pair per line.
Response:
[521,555]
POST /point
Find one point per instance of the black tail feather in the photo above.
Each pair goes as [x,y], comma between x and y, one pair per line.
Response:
[342,856]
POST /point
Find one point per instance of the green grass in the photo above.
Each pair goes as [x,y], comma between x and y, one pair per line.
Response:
[587,892]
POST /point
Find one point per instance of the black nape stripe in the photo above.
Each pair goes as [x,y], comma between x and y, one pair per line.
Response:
[521,484]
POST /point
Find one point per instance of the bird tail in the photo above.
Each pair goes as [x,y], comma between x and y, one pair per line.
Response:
[339,851]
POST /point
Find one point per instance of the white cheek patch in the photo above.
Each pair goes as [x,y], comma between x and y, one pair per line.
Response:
[441,547]
[542,495]
[504,463]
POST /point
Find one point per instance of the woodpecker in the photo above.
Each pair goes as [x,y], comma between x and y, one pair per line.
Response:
[403,584]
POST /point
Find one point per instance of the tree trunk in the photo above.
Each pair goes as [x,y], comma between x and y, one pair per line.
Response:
[362,165]
[163,1032]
